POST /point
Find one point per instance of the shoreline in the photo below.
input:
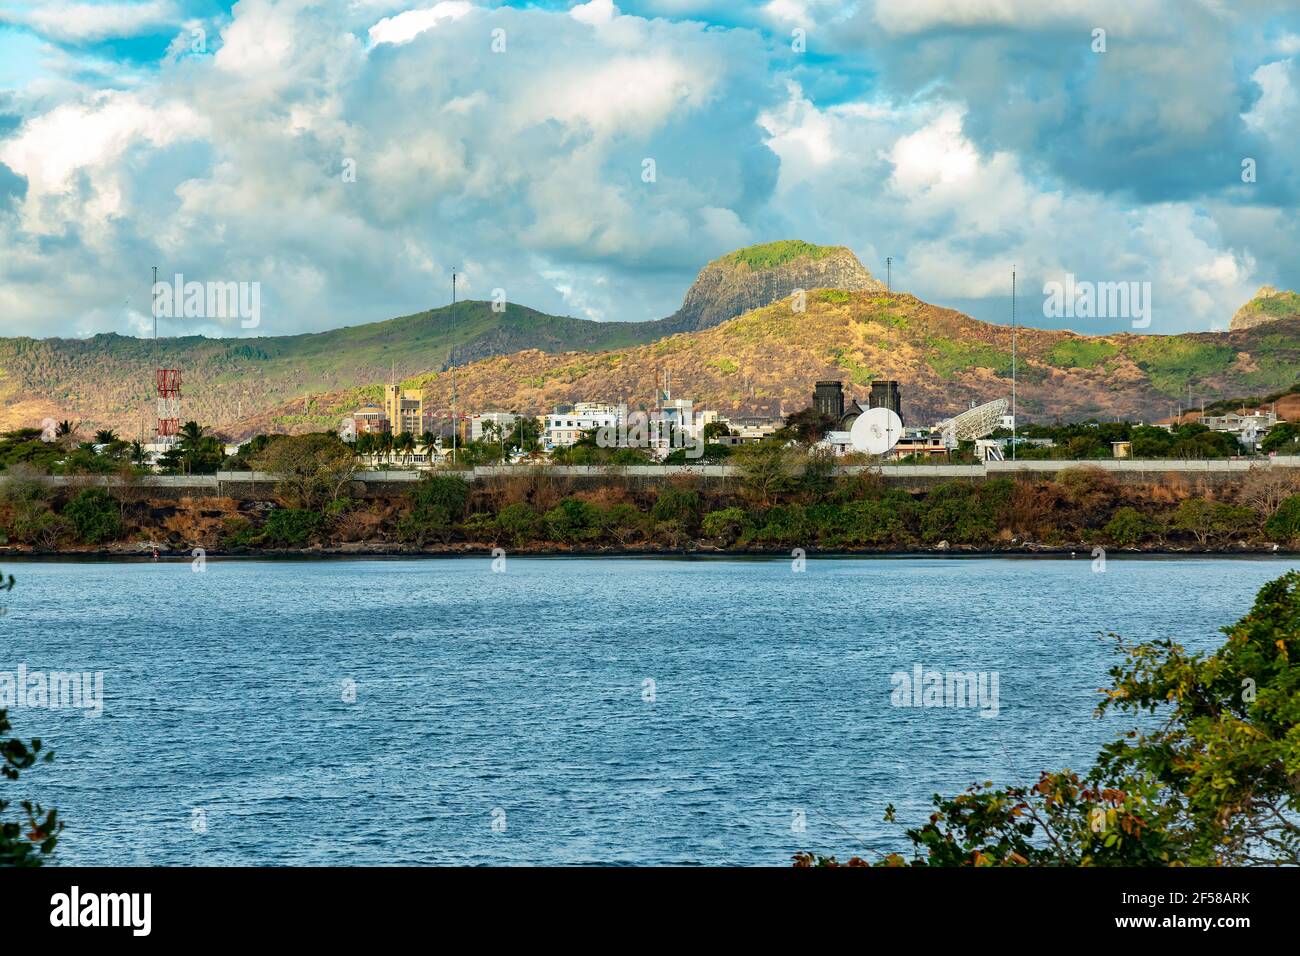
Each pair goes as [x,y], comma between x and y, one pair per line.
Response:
[484,551]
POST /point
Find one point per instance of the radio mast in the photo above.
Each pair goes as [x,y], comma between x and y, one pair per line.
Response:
[1014,423]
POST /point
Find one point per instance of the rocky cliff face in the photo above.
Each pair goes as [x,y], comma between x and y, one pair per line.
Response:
[757,276]
[1269,305]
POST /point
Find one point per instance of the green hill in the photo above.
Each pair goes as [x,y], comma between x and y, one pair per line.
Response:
[107,380]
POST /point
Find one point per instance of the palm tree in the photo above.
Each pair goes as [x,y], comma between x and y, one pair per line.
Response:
[137,454]
[105,436]
[404,444]
[364,445]
[429,441]
[191,432]
[384,443]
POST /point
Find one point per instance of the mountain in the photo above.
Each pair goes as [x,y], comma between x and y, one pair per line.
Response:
[738,343]
[1269,305]
[751,278]
[107,380]
[767,360]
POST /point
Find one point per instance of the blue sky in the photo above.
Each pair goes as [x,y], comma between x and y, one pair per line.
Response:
[510,140]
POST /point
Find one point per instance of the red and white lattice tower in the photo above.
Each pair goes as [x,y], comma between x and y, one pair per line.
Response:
[169,401]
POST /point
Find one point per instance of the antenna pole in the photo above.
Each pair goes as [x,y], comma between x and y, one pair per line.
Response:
[153,298]
[889,275]
[1014,423]
[454,422]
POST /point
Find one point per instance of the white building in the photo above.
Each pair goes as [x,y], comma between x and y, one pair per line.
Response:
[1248,427]
[746,431]
[504,420]
[563,429]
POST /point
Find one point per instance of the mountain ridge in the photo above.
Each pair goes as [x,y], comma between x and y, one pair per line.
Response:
[943,358]
[767,360]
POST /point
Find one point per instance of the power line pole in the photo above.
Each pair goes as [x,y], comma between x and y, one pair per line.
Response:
[889,275]
[1014,423]
[455,422]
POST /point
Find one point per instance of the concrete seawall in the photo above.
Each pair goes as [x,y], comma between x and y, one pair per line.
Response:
[245,484]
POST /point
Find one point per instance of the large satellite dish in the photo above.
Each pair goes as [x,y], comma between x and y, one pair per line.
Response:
[973,423]
[876,431]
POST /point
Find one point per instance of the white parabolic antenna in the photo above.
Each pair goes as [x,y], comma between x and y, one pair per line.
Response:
[876,431]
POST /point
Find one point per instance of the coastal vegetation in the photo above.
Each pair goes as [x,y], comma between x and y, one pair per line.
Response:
[1210,781]
[780,496]
[29,837]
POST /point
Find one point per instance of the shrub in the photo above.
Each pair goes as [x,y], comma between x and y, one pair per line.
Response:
[955,511]
[449,492]
[785,525]
[519,522]
[95,515]
[1128,527]
[1285,523]
[481,527]
[727,525]
[238,533]
[677,504]
[292,527]
[622,522]
[1211,519]
[437,504]
[1091,491]
[572,521]
[873,522]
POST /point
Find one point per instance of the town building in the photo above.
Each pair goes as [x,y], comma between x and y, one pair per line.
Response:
[886,394]
[370,420]
[1248,427]
[747,430]
[404,409]
[828,399]
[504,422]
[564,428]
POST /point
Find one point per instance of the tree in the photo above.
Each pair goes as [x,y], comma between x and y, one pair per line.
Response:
[105,436]
[404,445]
[437,503]
[1211,519]
[572,521]
[292,527]
[767,470]
[726,525]
[195,452]
[429,442]
[30,839]
[808,426]
[313,470]
[1264,489]
[1285,522]
[525,435]
[1128,527]
[66,432]
[1213,783]
[95,514]
[1282,439]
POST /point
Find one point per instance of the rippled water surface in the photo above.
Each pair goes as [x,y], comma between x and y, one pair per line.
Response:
[565,711]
